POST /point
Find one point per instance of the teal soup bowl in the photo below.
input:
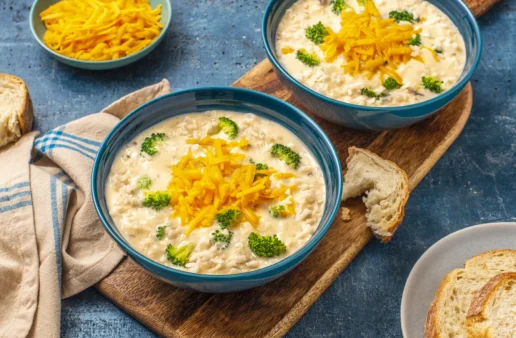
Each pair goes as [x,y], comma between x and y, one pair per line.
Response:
[230,99]
[375,118]
[38,31]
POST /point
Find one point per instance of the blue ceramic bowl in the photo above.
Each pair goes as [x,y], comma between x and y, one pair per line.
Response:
[376,118]
[232,99]
[38,31]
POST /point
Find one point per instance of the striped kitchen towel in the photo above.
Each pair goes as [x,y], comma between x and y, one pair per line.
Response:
[52,244]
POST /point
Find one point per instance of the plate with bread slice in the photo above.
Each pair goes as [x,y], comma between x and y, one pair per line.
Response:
[464,286]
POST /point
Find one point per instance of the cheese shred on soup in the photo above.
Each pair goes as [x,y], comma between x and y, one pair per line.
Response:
[371,53]
[216,193]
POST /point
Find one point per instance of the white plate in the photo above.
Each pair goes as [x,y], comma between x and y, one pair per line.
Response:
[447,254]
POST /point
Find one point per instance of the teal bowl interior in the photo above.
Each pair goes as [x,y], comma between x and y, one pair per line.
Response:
[231,99]
[38,31]
[376,118]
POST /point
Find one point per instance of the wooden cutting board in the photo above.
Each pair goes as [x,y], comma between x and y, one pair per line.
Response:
[271,310]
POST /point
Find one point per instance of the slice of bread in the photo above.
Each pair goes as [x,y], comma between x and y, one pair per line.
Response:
[446,317]
[385,186]
[492,312]
[15,109]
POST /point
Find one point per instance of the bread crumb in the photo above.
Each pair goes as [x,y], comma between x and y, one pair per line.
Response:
[345,215]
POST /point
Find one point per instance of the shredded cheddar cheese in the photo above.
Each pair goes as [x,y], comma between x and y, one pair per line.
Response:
[287,50]
[100,30]
[203,186]
[432,51]
[369,43]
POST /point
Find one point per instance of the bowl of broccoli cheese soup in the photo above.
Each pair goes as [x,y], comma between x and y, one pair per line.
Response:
[372,64]
[218,189]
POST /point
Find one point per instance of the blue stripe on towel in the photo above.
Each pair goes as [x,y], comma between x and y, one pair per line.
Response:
[15,195]
[15,206]
[93,151]
[53,141]
[52,146]
[16,186]
[55,225]
[71,183]
[82,139]
[60,134]
[60,174]
[63,177]
[58,139]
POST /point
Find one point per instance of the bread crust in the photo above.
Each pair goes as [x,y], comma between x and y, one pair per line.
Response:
[478,307]
[431,317]
[431,324]
[24,110]
[395,223]
[490,253]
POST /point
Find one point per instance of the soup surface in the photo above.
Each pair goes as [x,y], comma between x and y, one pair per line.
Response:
[347,50]
[205,173]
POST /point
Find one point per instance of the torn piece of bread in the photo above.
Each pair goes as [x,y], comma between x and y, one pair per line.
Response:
[492,312]
[385,186]
[447,315]
[15,109]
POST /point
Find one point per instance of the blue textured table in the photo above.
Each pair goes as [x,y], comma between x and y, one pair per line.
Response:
[213,42]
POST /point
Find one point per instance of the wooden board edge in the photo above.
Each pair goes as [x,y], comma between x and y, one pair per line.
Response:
[264,64]
[122,304]
[302,306]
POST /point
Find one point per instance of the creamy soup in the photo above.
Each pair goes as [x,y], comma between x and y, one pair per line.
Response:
[206,173]
[349,49]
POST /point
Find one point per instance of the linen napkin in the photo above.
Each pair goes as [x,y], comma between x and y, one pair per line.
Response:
[52,245]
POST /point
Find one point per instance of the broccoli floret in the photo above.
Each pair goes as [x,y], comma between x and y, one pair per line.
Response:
[160,232]
[277,211]
[438,50]
[179,256]
[432,84]
[316,33]
[221,240]
[286,154]
[228,126]
[415,41]
[338,6]
[228,218]
[390,83]
[403,16]
[369,93]
[259,166]
[144,182]
[156,199]
[150,143]
[265,246]
[308,59]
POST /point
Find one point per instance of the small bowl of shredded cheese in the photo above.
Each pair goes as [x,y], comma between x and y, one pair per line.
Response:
[99,34]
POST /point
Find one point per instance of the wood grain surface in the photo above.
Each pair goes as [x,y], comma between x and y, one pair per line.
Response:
[271,310]
[479,7]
